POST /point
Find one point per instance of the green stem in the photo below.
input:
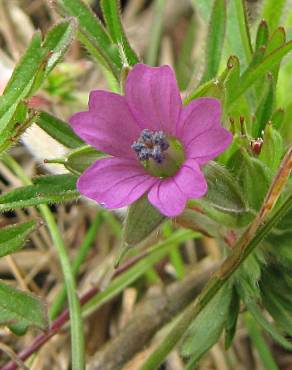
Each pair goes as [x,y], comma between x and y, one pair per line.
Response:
[77,337]
[77,262]
[241,250]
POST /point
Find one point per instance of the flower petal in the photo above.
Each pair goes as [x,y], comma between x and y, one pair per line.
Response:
[115,182]
[153,97]
[201,132]
[108,125]
[208,145]
[170,195]
[198,116]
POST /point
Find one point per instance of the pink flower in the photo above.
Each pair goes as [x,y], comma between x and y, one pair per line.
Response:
[156,144]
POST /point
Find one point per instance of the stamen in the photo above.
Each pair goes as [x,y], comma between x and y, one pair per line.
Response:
[151,144]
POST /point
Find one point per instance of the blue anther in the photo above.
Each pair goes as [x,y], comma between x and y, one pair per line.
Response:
[151,145]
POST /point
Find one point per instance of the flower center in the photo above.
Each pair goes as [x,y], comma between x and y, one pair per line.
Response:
[160,155]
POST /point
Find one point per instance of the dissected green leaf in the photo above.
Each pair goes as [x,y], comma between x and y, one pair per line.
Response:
[59,130]
[44,190]
[251,75]
[259,343]
[277,311]
[254,177]
[79,159]
[257,57]
[276,41]
[262,34]
[232,79]
[215,39]
[231,320]
[248,275]
[13,237]
[112,17]
[204,332]
[279,286]
[17,307]
[274,332]
[265,108]
[141,221]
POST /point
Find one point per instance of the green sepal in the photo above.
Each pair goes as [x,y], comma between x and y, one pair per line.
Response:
[141,221]
[81,158]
